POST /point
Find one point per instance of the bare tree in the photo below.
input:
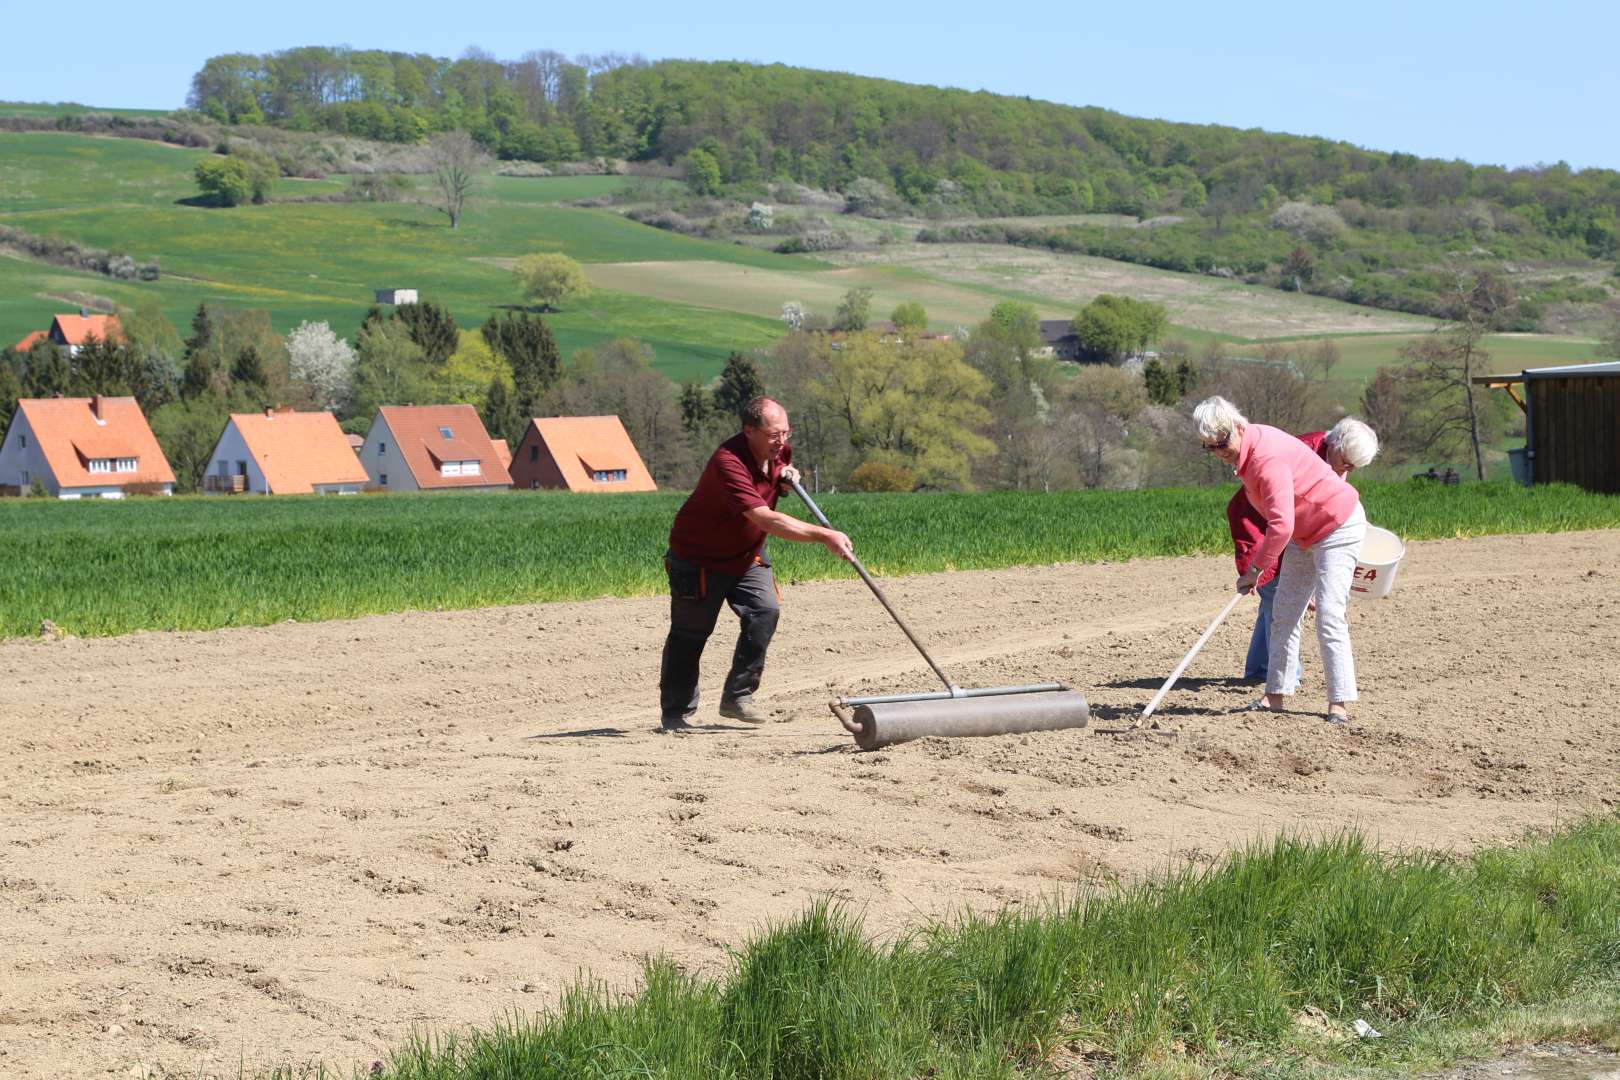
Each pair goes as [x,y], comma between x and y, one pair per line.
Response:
[1441,367]
[455,161]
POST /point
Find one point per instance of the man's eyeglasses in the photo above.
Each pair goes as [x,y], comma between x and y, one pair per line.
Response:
[1213,448]
[779,436]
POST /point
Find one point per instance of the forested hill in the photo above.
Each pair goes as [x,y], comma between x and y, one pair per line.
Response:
[987,152]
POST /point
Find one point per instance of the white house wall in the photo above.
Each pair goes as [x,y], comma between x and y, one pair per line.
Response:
[17,460]
[230,449]
[381,457]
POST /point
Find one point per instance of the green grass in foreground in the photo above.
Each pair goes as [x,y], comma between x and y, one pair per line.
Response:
[1195,972]
[197,563]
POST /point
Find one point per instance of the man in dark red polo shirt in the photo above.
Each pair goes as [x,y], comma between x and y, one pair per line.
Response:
[717,556]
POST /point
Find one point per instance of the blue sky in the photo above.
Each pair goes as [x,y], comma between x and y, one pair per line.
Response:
[1489,82]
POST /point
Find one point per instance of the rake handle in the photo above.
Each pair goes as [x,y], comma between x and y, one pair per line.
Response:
[956,691]
[1185,660]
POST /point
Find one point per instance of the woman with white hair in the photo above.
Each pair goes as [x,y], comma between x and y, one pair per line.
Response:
[1348,446]
[1315,516]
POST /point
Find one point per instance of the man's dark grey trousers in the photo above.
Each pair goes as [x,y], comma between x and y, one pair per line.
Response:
[692,615]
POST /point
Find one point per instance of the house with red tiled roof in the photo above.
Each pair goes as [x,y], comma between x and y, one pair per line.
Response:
[432,448]
[502,452]
[70,332]
[282,452]
[579,453]
[95,448]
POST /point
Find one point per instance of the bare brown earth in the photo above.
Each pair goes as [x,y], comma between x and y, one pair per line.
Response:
[298,842]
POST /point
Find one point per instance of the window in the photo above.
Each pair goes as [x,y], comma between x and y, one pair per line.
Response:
[101,465]
[446,433]
[26,480]
[223,467]
[461,468]
[24,439]
[126,464]
[382,448]
[383,479]
[534,451]
[608,476]
[534,485]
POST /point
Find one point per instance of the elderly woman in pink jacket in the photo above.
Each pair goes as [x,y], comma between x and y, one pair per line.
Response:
[1316,517]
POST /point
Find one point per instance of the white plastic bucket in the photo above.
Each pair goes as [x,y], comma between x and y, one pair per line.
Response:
[1380,557]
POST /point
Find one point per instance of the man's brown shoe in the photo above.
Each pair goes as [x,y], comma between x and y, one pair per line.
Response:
[742,709]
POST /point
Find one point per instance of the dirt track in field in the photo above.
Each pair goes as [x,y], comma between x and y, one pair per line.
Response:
[301,841]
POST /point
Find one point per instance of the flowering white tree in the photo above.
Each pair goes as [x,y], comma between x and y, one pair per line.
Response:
[320,358]
[794,314]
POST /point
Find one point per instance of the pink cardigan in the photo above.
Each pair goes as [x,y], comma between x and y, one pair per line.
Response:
[1301,498]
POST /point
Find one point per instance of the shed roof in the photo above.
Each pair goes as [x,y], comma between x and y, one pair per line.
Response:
[1562,371]
[297,450]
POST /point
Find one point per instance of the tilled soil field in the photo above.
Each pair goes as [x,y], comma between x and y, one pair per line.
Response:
[303,841]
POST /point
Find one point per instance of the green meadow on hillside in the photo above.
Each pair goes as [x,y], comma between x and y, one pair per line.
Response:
[319,260]
[692,300]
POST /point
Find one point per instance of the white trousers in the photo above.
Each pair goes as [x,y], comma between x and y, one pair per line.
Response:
[1325,570]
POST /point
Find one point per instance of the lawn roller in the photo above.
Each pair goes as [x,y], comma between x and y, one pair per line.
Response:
[952,712]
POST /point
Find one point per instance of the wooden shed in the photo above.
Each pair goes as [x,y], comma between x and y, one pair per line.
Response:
[1572,423]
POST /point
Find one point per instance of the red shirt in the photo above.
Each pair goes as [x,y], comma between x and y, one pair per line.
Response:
[710,528]
[1248,525]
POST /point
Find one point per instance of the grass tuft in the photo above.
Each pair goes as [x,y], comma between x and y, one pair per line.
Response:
[1196,970]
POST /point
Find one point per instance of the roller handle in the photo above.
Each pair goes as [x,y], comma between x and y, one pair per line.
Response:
[955,690]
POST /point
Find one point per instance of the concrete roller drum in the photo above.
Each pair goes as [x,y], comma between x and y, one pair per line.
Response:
[884,723]
[953,712]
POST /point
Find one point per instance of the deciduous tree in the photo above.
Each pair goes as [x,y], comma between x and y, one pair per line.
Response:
[322,362]
[909,318]
[914,404]
[550,279]
[455,163]
[854,310]
[1443,364]
[389,369]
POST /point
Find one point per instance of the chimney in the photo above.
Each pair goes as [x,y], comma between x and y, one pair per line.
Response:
[95,409]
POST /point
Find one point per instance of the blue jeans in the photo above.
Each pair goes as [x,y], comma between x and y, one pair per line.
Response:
[1254,667]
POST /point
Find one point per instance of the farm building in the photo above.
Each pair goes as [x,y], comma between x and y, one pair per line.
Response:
[1059,340]
[70,332]
[432,448]
[83,448]
[357,443]
[282,452]
[1572,424]
[503,453]
[396,296]
[579,453]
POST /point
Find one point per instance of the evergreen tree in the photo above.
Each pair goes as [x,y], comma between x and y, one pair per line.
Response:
[432,328]
[501,416]
[1162,388]
[740,383]
[529,346]
[199,375]
[247,373]
[202,332]
[696,408]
